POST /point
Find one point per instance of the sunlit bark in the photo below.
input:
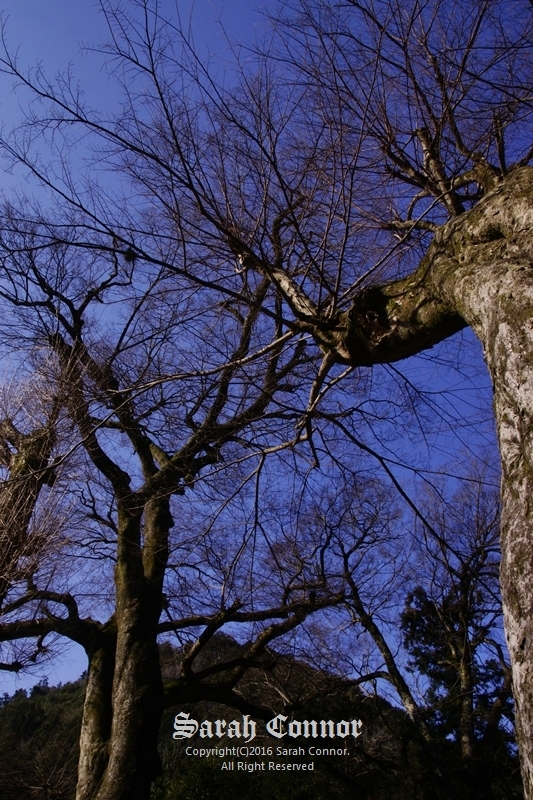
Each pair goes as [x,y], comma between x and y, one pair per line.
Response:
[477,272]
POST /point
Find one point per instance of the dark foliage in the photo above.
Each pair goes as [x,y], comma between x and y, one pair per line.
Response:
[390,761]
[39,732]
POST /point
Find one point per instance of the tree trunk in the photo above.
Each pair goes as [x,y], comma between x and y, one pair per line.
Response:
[466,726]
[96,722]
[137,708]
[28,472]
[479,272]
[118,746]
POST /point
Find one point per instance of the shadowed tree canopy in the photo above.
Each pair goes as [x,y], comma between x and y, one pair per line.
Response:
[354,192]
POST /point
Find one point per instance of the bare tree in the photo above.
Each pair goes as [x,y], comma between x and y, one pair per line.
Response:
[437,106]
[267,213]
[26,456]
[143,423]
[451,630]
[424,606]
[463,604]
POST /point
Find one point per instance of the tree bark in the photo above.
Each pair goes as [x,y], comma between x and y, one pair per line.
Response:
[29,470]
[96,722]
[137,697]
[478,271]
[118,745]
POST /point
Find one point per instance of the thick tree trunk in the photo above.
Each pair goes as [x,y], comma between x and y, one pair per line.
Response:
[137,708]
[137,685]
[479,272]
[96,722]
[121,718]
[124,703]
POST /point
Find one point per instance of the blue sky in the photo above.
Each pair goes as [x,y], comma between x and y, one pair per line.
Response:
[54,33]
